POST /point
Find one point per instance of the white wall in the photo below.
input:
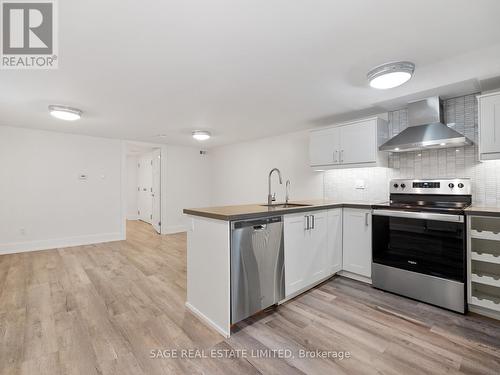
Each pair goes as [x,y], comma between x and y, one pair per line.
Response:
[239,171]
[187,185]
[44,204]
[132,184]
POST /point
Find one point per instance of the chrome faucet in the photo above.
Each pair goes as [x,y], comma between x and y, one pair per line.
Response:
[287,191]
[272,197]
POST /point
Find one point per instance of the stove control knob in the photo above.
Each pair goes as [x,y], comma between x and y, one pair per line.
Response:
[403,186]
[451,185]
[396,185]
[460,185]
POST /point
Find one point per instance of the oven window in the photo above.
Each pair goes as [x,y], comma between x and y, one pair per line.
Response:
[426,246]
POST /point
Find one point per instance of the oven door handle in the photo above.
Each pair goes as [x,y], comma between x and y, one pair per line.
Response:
[420,215]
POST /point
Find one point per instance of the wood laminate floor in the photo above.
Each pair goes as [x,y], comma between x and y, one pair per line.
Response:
[101,309]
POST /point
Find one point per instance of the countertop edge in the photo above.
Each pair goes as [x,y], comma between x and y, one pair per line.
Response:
[256,215]
[491,212]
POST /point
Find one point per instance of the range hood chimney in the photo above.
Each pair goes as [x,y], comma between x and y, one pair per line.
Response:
[426,129]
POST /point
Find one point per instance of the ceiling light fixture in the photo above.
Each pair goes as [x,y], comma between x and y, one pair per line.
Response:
[65,113]
[389,75]
[201,135]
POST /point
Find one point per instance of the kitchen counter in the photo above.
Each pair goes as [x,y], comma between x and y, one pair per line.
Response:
[482,211]
[209,235]
[251,211]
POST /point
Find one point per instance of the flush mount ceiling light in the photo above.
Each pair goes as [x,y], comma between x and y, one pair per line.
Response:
[65,113]
[201,135]
[387,76]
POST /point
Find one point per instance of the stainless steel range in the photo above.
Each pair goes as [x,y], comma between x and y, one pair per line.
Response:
[419,241]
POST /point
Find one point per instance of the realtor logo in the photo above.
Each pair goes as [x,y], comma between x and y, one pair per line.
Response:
[29,34]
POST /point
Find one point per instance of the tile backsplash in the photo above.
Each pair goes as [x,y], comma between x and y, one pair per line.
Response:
[461,115]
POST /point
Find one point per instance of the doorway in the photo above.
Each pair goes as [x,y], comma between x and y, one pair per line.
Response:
[144,184]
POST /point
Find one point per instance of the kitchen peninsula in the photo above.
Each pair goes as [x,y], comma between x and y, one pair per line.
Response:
[314,242]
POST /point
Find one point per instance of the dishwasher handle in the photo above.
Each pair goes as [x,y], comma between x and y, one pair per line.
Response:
[257,224]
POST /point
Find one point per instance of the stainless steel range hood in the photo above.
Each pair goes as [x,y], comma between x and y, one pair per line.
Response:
[426,129]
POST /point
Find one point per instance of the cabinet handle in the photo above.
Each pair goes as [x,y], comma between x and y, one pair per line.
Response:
[341,156]
[312,225]
[308,222]
[366,218]
[335,159]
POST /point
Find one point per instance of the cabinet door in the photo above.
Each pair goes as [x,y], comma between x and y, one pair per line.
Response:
[357,249]
[296,251]
[316,267]
[324,147]
[358,142]
[305,250]
[489,126]
[334,235]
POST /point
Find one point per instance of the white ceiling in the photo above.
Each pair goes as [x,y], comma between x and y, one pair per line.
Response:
[245,69]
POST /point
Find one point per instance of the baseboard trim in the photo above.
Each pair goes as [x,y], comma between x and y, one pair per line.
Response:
[22,247]
[207,320]
[355,276]
[305,289]
[175,229]
[484,311]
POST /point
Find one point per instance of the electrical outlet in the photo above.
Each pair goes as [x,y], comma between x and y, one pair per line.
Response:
[22,231]
[360,184]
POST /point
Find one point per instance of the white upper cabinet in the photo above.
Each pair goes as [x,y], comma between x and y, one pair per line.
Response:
[353,144]
[359,142]
[324,147]
[489,126]
[357,241]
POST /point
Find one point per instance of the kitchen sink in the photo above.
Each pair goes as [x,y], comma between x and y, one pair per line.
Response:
[285,205]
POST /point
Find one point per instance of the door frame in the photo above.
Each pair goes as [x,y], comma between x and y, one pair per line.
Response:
[163,182]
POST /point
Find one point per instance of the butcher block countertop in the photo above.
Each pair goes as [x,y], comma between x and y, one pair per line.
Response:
[253,211]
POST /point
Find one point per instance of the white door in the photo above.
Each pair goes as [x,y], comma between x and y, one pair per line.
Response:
[156,193]
[145,179]
[316,266]
[324,147]
[357,241]
[334,249]
[359,142]
[296,240]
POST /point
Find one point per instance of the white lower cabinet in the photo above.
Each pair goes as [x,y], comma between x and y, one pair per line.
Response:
[357,241]
[312,250]
[334,236]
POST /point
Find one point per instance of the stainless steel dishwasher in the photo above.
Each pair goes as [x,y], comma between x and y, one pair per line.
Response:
[257,266]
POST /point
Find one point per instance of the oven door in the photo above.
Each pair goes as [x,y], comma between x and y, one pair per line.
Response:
[427,243]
